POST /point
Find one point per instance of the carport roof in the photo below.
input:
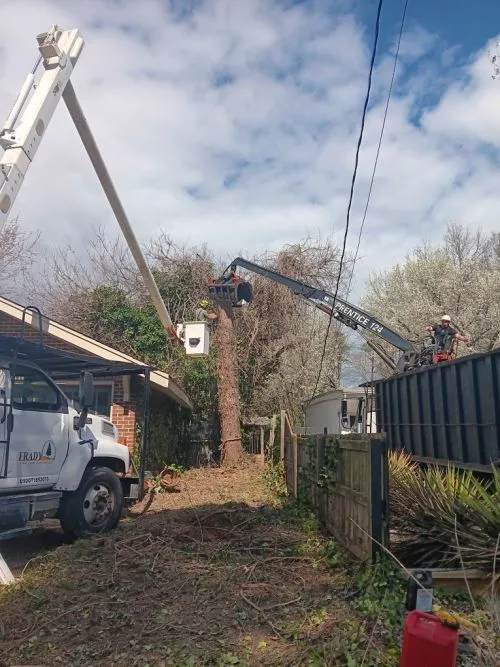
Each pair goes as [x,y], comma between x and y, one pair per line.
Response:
[60,364]
[106,356]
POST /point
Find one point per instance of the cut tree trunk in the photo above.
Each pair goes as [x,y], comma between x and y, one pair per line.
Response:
[227,383]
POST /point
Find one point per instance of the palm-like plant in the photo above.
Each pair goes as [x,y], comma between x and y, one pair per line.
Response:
[444,517]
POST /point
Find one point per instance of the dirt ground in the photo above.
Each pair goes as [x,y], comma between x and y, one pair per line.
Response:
[216,573]
[20,552]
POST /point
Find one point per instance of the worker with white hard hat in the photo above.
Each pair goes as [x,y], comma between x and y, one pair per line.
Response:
[445,334]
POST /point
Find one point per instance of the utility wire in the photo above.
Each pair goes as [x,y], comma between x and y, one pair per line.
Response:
[396,56]
[353,183]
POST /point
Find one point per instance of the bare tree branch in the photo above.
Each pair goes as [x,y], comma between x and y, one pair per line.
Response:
[18,252]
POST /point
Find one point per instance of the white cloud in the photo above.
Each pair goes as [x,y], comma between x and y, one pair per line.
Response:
[281,126]
[467,113]
[416,43]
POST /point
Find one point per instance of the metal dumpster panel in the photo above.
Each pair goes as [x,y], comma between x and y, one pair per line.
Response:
[448,412]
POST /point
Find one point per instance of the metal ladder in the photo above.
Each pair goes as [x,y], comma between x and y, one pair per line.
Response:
[38,313]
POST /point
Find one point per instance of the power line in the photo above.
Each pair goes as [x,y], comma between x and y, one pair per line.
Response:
[353,183]
[396,56]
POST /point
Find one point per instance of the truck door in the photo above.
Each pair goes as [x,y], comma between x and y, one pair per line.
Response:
[40,436]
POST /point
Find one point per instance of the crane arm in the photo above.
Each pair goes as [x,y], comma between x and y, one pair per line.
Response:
[345,312]
[94,154]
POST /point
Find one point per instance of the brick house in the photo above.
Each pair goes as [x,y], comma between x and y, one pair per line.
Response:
[118,398]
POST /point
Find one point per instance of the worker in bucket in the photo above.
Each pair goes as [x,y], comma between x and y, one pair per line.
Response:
[445,335]
[231,277]
[202,313]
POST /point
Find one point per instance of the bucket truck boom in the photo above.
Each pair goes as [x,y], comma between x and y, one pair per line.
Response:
[27,123]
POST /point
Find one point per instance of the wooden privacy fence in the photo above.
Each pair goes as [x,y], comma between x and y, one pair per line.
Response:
[344,479]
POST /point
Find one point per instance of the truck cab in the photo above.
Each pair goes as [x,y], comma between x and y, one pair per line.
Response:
[55,460]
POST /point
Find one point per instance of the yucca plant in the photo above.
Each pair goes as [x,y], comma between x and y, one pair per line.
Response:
[443,517]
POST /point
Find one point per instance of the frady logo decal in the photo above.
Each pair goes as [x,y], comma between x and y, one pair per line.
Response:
[46,455]
[48,452]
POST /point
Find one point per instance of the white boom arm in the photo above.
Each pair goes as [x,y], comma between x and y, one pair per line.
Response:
[59,53]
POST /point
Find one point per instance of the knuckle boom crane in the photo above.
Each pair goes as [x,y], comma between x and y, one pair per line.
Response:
[232,289]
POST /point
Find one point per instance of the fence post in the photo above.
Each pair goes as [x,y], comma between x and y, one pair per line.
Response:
[282,436]
[272,433]
[385,492]
[376,490]
[320,462]
[295,465]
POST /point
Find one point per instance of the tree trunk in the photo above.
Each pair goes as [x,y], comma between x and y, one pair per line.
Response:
[227,382]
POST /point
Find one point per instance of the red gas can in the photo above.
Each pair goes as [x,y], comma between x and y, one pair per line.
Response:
[427,642]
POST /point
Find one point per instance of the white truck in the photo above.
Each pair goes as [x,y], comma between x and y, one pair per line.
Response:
[56,461]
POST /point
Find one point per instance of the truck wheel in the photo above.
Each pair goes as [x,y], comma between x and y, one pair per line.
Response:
[95,507]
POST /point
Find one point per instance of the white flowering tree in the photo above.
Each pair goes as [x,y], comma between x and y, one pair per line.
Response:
[460,277]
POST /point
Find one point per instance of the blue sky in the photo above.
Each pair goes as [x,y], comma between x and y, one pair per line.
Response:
[234,123]
[460,22]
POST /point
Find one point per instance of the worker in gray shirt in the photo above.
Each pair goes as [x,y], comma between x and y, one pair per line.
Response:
[202,314]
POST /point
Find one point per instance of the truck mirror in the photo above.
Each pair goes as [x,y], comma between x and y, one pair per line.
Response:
[86,393]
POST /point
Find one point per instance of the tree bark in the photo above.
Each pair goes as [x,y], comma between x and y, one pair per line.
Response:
[227,383]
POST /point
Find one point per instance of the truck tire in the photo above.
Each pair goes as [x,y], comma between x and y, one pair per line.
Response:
[95,507]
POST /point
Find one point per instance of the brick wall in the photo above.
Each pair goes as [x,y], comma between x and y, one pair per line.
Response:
[123,413]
